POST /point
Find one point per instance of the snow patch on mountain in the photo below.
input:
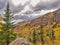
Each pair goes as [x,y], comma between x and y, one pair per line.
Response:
[27,17]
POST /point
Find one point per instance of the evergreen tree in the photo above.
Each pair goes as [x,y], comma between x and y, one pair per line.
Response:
[7,27]
[34,37]
[52,33]
[52,36]
[41,34]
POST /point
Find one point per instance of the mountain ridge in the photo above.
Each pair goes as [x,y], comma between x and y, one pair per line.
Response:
[46,19]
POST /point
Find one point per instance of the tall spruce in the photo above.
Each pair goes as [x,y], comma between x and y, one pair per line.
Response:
[51,33]
[41,33]
[8,27]
[34,37]
[52,36]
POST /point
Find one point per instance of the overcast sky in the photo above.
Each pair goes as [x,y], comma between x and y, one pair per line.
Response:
[32,5]
[25,10]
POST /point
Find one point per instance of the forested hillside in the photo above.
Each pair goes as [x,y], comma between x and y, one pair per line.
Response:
[43,30]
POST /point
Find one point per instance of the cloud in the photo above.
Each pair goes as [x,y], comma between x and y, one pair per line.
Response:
[47,5]
[17,2]
[34,5]
[2,3]
[31,6]
[19,7]
[37,6]
[31,9]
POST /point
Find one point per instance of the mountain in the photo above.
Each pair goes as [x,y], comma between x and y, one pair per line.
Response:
[46,19]
[28,16]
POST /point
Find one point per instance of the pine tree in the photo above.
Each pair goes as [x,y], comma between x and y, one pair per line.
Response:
[34,37]
[52,36]
[41,34]
[52,33]
[7,27]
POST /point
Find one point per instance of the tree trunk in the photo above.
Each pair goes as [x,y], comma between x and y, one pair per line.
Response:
[42,44]
[7,41]
[52,42]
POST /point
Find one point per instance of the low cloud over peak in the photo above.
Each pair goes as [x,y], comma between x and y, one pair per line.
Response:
[47,5]
[35,5]
[31,9]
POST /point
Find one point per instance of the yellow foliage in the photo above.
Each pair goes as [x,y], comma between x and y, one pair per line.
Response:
[15,32]
[0,30]
[0,18]
[57,31]
[25,23]
[26,32]
[0,26]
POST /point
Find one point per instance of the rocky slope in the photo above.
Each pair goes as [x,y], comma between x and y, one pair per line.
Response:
[46,19]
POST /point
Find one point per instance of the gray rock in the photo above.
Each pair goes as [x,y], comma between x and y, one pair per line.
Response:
[21,41]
